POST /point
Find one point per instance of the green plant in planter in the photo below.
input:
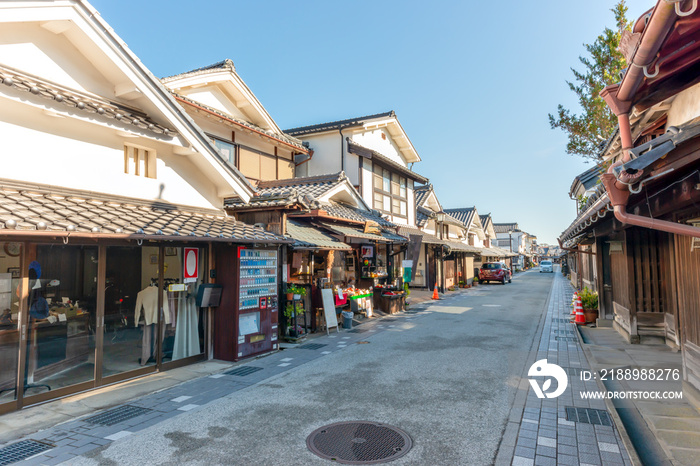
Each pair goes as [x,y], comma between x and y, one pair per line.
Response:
[296,289]
[589,299]
[289,310]
[406,289]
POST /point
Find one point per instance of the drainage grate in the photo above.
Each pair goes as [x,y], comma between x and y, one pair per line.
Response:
[388,320]
[562,321]
[598,417]
[357,330]
[566,338]
[359,442]
[312,346]
[117,415]
[22,450]
[565,332]
[244,370]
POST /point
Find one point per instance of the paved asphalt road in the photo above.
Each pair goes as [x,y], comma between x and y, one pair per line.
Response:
[446,378]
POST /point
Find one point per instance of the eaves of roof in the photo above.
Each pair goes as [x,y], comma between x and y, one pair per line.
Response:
[282,138]
[223,65]
[357,149]
[37,210]
[334,125]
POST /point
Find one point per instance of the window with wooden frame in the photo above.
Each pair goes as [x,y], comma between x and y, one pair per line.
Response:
[227,150]
[390,193]
[139,161]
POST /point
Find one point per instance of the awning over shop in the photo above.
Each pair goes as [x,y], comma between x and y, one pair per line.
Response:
[355,232]
[454,246]
[427,237]
[50,212]
[306,236]
[497,252]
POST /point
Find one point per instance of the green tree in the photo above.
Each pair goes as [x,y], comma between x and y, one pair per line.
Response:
[601,68]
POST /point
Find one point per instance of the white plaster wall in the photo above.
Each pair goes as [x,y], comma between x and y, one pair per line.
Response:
[685,106]
[352,168]
[326,157]
[373,140]
[32,49]
[411,200]
[35,147]
[420,269]
[367,185]
[213,97]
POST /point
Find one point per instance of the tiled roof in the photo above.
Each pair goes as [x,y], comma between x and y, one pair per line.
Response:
[485,219]
[337,210]
[333,125]
[427,237]
[280,193]
[355,148]
[432,239]
[421,193]
[423,215]
[75,101]
[355,232]
[505,227]
[226,64]
[463,214]
[46,208]
[451,220]
[306,236]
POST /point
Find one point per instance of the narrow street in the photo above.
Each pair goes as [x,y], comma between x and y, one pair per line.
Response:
[446,377]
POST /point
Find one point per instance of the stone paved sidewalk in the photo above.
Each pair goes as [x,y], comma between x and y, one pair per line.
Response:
[80,436]
[539,431]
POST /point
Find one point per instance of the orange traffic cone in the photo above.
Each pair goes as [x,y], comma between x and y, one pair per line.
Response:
[580,318]
[573,305]
[435,293]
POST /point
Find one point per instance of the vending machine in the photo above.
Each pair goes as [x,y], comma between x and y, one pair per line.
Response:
[256,316]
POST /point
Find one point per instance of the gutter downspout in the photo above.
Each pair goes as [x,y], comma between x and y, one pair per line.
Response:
[619,99]
[619,199]
[342,149]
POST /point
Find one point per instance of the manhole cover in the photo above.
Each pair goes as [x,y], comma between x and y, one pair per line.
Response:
[244,370]
[22,450]
[359,442]
[598,417]
[117,415]
[312,346]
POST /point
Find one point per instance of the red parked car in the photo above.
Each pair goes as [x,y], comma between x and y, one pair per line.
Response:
[494,272]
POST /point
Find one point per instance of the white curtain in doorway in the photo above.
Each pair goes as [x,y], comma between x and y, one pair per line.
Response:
[187,330]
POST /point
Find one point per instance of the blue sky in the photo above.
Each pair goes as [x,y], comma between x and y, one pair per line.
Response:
[471,82]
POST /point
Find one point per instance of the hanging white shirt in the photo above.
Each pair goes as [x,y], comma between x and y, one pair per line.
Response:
[147,299]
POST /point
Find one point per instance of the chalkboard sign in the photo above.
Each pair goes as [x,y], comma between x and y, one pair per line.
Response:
[329,309]
[209,295]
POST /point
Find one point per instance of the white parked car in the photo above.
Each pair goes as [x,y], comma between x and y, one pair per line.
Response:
[546,266]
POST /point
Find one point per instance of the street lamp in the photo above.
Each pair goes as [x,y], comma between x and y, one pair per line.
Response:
[510,234]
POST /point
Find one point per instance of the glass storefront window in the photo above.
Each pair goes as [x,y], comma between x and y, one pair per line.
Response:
[184,335]
[62,307]
[130,335]
[9,319]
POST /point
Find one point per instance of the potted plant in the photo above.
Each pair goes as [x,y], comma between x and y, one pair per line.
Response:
[589,302]
[295,291]
[289,314]
[462,284]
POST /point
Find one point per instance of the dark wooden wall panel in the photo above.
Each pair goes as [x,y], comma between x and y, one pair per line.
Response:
[688,282]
